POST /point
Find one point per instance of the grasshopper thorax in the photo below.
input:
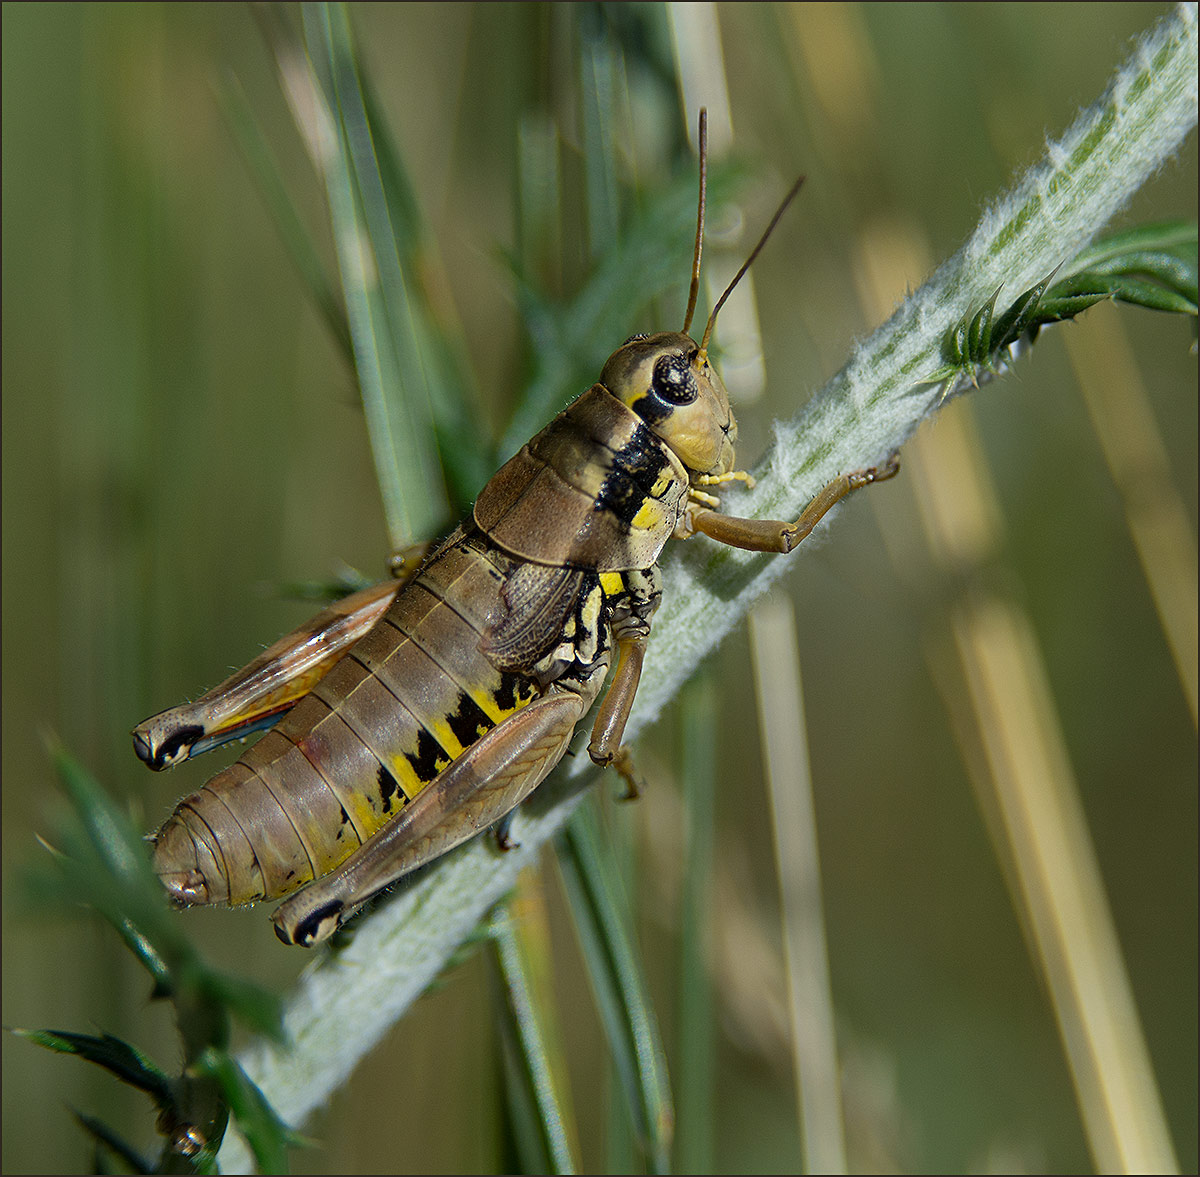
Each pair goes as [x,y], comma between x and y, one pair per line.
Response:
[667,380]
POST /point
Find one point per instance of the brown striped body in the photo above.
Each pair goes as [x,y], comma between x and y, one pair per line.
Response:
[501,612]
[415,731]
[405,701]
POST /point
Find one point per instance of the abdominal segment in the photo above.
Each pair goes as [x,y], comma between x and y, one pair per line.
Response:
[399,707]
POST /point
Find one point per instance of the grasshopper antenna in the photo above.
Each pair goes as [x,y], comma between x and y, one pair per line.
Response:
[695,289]
[746,264]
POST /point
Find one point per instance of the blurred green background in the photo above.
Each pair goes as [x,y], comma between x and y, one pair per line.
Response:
[181,437]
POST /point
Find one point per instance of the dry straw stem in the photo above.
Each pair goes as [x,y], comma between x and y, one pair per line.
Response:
[342,1007]
[1120,412]
[784,737]
[1006,721]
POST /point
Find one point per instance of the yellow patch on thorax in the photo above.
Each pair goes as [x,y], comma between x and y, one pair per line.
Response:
[613,583]
[650,515]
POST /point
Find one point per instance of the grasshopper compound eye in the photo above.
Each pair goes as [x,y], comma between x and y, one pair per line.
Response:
[674,381]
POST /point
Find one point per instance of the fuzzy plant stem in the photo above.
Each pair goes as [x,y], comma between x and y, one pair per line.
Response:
[343,1007]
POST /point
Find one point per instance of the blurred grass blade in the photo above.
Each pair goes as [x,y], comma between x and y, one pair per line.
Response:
[623,1140]
[1005,715]
[695,1074]
[634,259]
[622,1151]
[601,81]
[391,363]
[535,1066]
[605,934]
[435,332]
[296,238]
[1163,533]
[793,820]
[570,343]
[539,200]
[467,453]
[106,1138]
[1060,889]
[254,1006]
[698,44]
[113,1054]
[103,861]
[266,1134]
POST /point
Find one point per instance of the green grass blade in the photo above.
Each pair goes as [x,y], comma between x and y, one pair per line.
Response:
[103,860]
[1068,298]
[296,239]
[1176,237]
[467,453]
[100,858]
[427,336]
[543,1130]
[599,67]
[571,343]
[695,1071]
[266,1134]
[106,1138]
[390,361]
[115,1055]
[626,1011]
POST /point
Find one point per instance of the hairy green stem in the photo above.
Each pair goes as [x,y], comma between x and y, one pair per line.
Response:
[340,1010]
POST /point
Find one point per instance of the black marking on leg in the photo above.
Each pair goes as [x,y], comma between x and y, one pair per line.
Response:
[312,927]
[170,748]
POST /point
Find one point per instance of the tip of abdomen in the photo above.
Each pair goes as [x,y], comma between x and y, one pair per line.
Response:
[177,860]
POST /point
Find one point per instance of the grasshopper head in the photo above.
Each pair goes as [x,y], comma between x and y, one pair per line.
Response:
[667,381]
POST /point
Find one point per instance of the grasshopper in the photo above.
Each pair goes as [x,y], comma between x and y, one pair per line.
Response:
[414,714]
